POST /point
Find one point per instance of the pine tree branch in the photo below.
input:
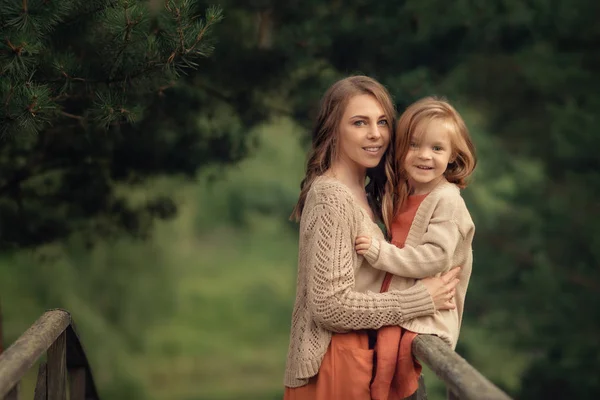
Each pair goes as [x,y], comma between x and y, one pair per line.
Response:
[69,115]
[180,28]
[200,35]
[151,66]
[162,89]
[128,27]
[73,78]
[8,97]
[79,17]
[17,50]
[32,107]
[143,71]
[66,96]
[177,12]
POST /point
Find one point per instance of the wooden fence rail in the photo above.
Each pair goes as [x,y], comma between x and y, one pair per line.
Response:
[462,380]
[54,334]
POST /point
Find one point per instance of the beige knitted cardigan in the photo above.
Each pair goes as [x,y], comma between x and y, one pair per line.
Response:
[337,290]
[439,238]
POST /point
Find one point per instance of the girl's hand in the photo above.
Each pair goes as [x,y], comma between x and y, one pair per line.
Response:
[362,244]
[442,289]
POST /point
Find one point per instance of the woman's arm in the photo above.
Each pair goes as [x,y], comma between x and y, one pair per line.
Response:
[332,300]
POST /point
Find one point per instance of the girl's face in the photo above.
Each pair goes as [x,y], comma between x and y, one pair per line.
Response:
[364,133]
[428,156]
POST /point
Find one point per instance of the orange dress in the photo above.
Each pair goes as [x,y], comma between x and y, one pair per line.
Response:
[352,368]
[397,371]
[345,372]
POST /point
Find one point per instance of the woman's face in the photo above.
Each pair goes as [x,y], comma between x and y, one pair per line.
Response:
[364,133]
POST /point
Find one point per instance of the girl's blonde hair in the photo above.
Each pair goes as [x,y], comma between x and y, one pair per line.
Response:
[462,161]
[325,138]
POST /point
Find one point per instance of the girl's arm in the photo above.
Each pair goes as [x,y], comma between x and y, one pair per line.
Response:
[428,259]
[327,240]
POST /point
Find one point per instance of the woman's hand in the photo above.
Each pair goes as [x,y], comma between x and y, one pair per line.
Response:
[442,289]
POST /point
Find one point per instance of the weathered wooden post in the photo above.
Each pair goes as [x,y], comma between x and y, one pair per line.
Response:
[56,368]
[54,334]
[41,385]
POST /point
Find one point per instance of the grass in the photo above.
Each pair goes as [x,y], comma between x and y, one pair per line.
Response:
[229,334]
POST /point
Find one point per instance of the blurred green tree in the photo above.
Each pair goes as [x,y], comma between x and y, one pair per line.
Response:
[91,98]
[529,70]
[538,87]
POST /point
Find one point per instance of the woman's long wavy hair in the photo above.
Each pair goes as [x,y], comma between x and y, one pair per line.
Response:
[325,139]
[462,161]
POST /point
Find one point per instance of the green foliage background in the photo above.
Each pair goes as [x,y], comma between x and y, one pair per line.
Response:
[198,306]
[201,310]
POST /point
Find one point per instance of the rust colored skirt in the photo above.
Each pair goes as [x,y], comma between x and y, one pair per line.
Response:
[345,373]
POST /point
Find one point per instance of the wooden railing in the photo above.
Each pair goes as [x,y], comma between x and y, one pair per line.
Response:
[53,333]
[462,380]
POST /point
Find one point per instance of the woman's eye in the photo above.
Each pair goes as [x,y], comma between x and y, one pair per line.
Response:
[383,122]
[359,123]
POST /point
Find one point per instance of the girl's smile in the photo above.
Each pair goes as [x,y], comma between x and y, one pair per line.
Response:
[428,156]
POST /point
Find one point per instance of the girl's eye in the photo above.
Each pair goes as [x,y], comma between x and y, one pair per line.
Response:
[413,145]
[438,148]
[383,122]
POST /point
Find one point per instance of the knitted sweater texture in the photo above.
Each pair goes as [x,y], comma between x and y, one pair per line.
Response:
[337,290]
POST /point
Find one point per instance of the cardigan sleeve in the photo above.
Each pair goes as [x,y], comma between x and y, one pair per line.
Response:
[433,256]
[332,300]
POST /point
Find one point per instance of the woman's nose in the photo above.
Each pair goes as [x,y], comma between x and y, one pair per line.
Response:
[374,132]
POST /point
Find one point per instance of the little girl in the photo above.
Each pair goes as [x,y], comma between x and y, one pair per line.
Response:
[431,232]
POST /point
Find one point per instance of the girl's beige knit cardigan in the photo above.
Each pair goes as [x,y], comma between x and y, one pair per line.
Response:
[337,290]
[439,238]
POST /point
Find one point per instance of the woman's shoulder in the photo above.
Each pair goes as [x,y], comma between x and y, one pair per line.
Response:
[325,187]
[332,194]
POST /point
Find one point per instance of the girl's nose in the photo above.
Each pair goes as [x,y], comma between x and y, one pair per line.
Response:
[424,153]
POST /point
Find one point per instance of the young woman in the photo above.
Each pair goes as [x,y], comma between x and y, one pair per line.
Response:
[337,290]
